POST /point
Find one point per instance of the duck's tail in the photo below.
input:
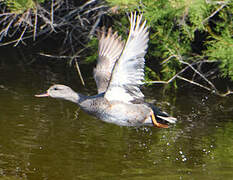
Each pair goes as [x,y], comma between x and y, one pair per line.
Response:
[166,118]
[162,116]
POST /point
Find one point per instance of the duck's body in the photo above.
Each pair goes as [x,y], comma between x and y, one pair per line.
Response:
[116,112]
[119,113]
[118,75]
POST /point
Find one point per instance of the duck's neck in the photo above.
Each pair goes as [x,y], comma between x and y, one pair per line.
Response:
[75,97]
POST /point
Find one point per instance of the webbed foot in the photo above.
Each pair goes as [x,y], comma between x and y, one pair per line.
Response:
[157,124]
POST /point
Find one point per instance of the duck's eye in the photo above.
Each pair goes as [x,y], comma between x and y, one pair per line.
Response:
[55,89]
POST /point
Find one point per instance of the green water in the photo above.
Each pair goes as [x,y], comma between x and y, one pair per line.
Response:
[53,139]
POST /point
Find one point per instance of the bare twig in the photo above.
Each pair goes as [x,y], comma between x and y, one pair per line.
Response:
[79,72]
[58,57]
[59,15]
[21,36]
[166,60]
[196,71]
[215,12]
[95,25]
[35,25]
[212,88]
[195,83]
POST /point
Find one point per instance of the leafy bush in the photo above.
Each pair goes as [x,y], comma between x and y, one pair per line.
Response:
[186,31]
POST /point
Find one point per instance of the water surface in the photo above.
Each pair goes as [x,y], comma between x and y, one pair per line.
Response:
[53,139]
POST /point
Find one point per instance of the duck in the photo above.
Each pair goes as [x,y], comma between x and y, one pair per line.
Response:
[119,74]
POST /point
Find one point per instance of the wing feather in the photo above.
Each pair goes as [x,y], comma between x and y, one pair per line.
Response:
[109,50]
[128,72]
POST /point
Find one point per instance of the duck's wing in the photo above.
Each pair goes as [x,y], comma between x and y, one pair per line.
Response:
[128,72]
[109,50]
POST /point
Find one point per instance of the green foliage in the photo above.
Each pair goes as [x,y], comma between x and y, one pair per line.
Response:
[20,6]
[190,29]
[220,45]
[93,53]
[225,53]
[123,4]
[222,50]
[150,74]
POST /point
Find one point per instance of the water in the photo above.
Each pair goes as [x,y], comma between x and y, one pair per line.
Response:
[44,138]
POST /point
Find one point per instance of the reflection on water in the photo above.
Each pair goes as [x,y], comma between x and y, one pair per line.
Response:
[52,139]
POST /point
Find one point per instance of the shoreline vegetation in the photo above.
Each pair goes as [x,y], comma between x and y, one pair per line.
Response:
[190,40]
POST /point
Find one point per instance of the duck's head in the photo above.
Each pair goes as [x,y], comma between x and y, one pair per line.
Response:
[58,91]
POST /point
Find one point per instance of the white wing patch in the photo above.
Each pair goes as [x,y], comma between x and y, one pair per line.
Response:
[121,93]
[128,72]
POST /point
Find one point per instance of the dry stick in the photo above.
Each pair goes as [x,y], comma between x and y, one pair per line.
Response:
[210,83]
[58,57]
[35,25]
[199,69]
[226,94]
[6,14]
[171,79]
[25,37]
[51,16]
[76,64]
[25,20]
[64,57]
[215,12]
[5,30]
[45,19]
[79,72]
[179,58]
[61,22]
[58,4]
[192,82]
[15,30]
[8,26]
[86,4]
[78,10]
[20,21]
[4,20]
[95,25]
[94,9]
[215,92]
[166,60]
[80,20]
[21,36]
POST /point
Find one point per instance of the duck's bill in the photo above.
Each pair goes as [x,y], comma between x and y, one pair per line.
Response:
[42,95]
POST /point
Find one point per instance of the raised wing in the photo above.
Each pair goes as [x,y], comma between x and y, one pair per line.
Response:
[109,50]
[128,72]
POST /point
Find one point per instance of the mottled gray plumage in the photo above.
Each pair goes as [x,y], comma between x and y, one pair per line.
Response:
[118,75]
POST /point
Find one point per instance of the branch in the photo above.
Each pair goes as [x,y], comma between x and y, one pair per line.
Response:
[213,89]
[79,72]
[208,89]
[215,12]
[21,37]
[196,71]
[195,83]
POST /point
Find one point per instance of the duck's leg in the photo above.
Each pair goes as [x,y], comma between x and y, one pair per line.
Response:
[156,124]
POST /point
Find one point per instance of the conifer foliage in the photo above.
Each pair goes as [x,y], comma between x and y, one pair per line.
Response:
[187,32]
